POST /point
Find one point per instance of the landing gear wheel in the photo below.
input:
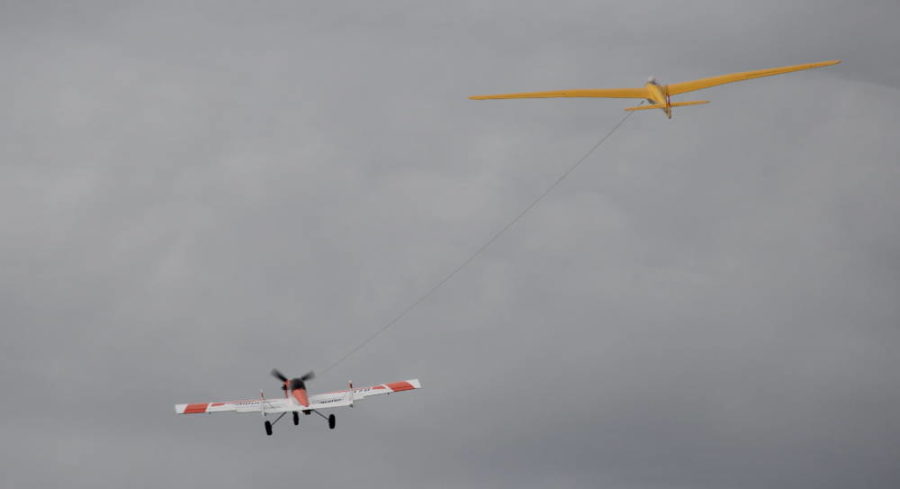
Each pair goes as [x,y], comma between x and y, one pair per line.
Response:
[296,418]
[269,428]
[331,421]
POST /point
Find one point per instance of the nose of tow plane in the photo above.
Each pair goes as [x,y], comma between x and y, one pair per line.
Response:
[301,397]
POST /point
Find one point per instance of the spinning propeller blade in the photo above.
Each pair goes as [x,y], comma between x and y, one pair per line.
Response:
[278,375]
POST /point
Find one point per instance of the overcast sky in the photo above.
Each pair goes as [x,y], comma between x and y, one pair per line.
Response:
[192,195]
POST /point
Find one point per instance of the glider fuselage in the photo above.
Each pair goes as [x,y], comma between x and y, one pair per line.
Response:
[659,95]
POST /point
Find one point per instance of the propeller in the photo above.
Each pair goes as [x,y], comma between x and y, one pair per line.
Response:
[298,381]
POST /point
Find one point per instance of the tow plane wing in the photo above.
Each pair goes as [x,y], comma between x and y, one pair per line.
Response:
[296,400]
[328,400]
[659,95]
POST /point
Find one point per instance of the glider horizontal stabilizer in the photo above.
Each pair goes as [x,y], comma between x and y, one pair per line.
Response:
[673,104]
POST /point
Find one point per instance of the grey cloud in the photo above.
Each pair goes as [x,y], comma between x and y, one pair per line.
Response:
[192,195]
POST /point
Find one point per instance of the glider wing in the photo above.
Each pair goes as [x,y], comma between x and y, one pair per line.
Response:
[690,86]
[591,92]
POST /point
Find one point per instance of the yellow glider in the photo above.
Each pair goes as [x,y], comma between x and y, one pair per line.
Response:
[658,95]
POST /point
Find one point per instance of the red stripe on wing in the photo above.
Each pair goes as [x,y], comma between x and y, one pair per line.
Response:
[400,386]
[196,408]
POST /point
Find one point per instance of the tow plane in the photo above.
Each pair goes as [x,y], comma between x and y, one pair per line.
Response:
[296,400]
[659,96]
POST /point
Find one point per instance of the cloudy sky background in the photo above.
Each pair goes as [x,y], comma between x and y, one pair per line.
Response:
[192,195]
